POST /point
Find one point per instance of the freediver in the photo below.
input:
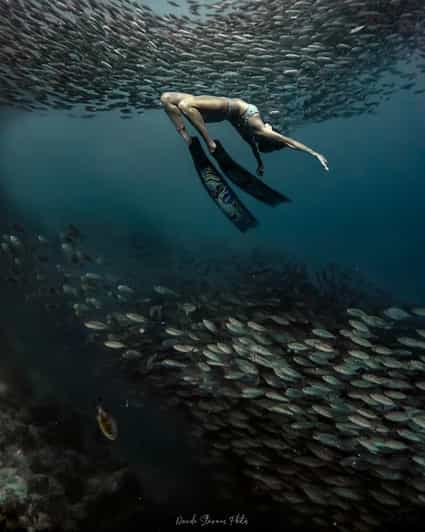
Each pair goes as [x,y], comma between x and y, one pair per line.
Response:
[243,116]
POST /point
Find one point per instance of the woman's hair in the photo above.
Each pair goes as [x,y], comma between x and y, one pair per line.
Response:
[266,145]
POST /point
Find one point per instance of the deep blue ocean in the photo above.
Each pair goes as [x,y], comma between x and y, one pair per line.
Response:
[131,188]
[115,177]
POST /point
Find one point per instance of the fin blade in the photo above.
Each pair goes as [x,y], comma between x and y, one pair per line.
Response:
[247,181]
[219,190]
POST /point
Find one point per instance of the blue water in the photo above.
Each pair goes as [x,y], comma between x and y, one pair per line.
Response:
[118,177]
[126,180]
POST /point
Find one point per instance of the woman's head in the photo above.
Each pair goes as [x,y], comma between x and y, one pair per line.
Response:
[266,145]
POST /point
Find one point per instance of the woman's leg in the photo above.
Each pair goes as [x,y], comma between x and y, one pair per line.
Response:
[174,113]
[191,107]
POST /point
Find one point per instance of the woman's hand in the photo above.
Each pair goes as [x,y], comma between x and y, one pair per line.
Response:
[323,161]
[212,146]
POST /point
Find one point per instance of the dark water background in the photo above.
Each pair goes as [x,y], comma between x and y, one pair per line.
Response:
[125,177]
[132,189]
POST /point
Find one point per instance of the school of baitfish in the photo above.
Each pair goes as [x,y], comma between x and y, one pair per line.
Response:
[300,61]
[320,412]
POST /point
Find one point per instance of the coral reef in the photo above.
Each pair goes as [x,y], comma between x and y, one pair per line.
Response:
[57,473]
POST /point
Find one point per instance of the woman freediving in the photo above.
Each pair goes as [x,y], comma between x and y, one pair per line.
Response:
[243,116]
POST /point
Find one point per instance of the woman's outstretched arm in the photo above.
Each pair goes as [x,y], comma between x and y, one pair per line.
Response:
[291,143]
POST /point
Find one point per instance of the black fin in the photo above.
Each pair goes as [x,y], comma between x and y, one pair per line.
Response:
[219,190]
[245,180]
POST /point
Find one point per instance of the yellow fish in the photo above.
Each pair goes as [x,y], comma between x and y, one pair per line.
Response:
[107,423]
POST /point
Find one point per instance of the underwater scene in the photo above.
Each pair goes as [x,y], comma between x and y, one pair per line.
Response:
[212,263]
